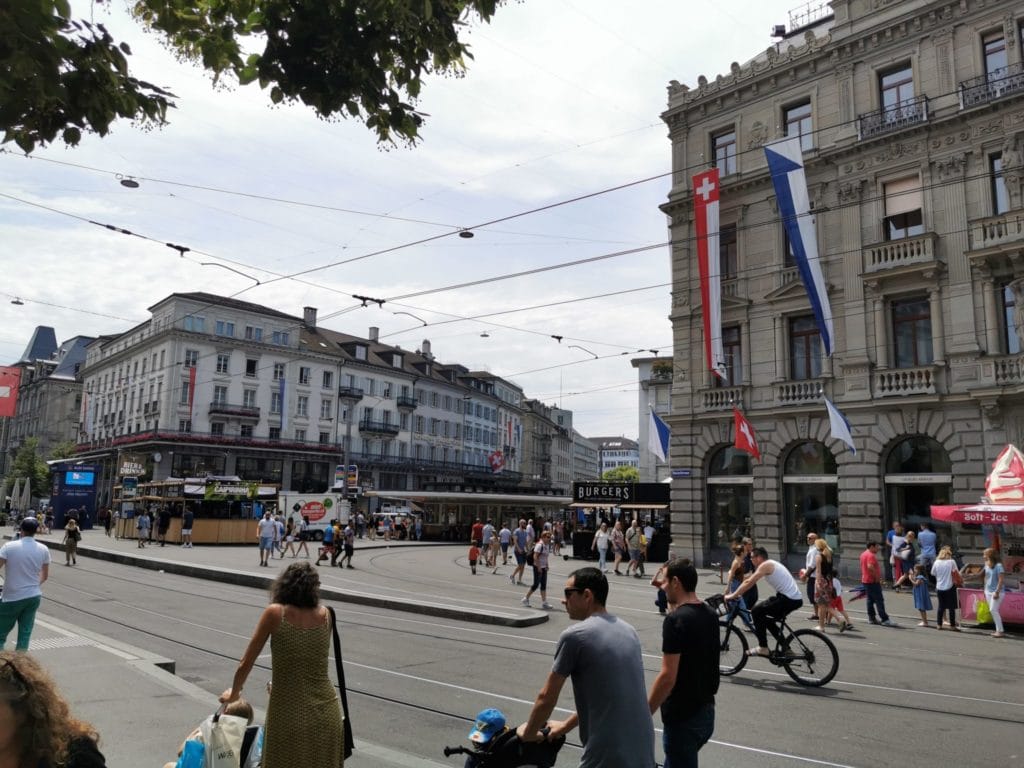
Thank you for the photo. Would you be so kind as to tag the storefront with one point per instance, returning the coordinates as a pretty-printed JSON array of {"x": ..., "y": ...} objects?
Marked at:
[{"x": 596, "y": 502}]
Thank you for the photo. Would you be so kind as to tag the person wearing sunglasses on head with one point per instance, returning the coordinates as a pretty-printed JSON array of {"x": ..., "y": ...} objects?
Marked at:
[
  {"x": 36, "y": 725},
  {"x": 28, "y": 566}
]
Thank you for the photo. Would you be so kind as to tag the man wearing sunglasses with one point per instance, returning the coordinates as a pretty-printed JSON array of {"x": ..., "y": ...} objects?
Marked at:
[
  {"x": 602, "y": 655},
  {"x": 28, "y": 566}
]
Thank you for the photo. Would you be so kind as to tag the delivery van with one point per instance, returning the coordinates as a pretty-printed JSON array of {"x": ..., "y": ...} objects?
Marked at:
[{"x": 318, "y": 508}]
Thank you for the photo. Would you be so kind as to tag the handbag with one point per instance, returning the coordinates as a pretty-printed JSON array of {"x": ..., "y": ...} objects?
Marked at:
[
  {"x": 340, "y": 669},
  {"x": 958, "y": 580},
  {"x": 223, "y": 736},
  {"x": 982, "y": 612}
]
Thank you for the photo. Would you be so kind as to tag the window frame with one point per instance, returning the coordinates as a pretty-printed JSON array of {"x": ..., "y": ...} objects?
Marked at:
[
  {"x": 810, "y": 339},
  {"x": 724, "y": 150},
  {"x": 728, "y": 251},
  {"x": 914, "y": 322},
  {"x": 790, "y": 119}
]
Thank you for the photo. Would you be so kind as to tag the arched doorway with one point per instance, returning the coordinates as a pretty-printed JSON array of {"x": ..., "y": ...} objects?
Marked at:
[
  {"x": 918, "y": 473},
  {"x": 810, "y": 497},
  {"x": 730, "y": 484}
]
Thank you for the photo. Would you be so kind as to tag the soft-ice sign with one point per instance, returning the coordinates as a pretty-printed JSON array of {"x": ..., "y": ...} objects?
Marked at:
[
  {"x": 314, "y": 510},
  {"x": 1005, "y": 484}
]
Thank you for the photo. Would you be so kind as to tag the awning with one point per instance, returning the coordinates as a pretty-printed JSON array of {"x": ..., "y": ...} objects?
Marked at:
[
  {"x": 980, "y": 514},
  {"x": 452, "y": 497},
  {"x": 582, "y": 505}
]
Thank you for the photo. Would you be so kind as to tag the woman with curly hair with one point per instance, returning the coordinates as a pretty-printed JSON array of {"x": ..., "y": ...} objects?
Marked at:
[
  {"x": 303, "y": 726},
  {"x": 36, "y": 726}
]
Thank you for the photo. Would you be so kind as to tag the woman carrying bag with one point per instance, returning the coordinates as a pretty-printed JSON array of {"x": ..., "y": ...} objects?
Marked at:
[{"x": 304, "y": 725}]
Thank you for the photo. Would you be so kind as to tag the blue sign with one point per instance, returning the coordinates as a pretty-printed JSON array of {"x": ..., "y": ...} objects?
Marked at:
[{"x": 682, "y": 473}]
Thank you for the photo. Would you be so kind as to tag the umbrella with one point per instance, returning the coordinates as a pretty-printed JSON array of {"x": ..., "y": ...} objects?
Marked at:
[
  {"x": 26, "y": 496},
  {"x": 980, "y": 514},
  {"x": 16, "y": 493}
]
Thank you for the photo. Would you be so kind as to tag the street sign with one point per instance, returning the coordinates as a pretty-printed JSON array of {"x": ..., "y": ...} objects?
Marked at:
[{"x": 682, "y": 473}]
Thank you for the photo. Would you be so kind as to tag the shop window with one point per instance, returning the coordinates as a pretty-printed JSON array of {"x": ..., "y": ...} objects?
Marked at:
[
  {"x": 729, "y": 492},
  {"x": 810, "y": 496}
]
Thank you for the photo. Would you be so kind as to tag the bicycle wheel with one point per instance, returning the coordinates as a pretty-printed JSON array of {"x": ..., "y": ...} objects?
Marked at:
[
  {"x": 733, "y": 652},
  {"x": 811, "y": 658}
]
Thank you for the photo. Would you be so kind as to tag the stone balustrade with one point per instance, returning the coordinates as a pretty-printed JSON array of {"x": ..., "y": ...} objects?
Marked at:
[
  {"x": 905, "y": 381},
  {"x": 898, "y": 253},
  {"x": 799, "y": 392},
  {"x": 997, "y": 230},
  {"x": 721, "y": 398}
]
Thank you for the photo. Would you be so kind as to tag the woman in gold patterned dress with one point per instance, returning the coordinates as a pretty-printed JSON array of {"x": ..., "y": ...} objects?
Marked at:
[{"x": 303, "y": 728}]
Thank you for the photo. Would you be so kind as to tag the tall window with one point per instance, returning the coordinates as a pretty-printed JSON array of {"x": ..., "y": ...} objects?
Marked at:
[
  {"x": 804, "y": 349},
  {"x": 191, "y": 358},
  {"x": 185, "y": 425},
  {"x": 328, "y": 380},
  {"x": 733, "y": 356},
  {"x": 302, "y": 406},
  {"x": 896, "y": 87},
  {"x": 1010, "y": 338},
  {"x": 723, "y": 146},
  {"x": 245, "y": 430},
  {"x": 194, "y": 323},
  {"x": 912, "y": 332},
  {"x": 278, "y": 371},
  {"x": 225, "y": 328},
  {"x": 251, "y": 367},
  {"x": 223, "y": 363},
  {"x": 249, "y": 398},
  {"x": 280, "y": 337},
  {"x": 303, "y": 375},
  {"x": 275, "y": 402},
  {"x": 274, "y": 433},
  {"x": 810, "y": 496},
  {"x": 903, "y": 214},
  {"x": 798, "y": 123},
  {"x": 220, "y": 395},
  {"x": 216, "y": 427},
  {"x": 994, "y": 47},
  {"x": 252, "y": 333},
  {"x": 727, "y": 251},
  {"x": 1000, "y": 199},
  {"x": 300, "y": 435}
]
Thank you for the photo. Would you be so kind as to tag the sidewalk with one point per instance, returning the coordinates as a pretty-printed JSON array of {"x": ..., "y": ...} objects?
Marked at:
[{"x": 397, "y": 590}]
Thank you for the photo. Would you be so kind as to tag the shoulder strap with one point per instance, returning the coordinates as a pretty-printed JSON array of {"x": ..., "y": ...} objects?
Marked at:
[{"x": 342, "y": 690}]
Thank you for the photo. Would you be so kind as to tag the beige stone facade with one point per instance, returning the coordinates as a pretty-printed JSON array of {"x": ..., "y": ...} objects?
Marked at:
[{"x": 911, "y": 116}]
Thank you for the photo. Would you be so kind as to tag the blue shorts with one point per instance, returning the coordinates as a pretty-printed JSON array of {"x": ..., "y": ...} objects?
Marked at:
[
  {"x": 520, "y": 558},
  {"x": 267, "y": 543}
]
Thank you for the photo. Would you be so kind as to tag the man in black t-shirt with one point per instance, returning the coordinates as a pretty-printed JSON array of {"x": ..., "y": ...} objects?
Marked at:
[{"x": 685, "y": 687}]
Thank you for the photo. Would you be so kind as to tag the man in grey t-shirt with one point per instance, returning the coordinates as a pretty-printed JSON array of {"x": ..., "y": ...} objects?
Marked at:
[{"x": 602, "y": 655}]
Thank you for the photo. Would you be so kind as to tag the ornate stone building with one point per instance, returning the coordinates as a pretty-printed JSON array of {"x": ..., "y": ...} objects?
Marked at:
[{"x": 911, "y": 118}]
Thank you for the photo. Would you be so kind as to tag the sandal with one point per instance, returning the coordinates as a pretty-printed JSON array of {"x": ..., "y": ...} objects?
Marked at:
[
  {"x": 758, "y": 652},
  {"x": 998, "y": 634}
]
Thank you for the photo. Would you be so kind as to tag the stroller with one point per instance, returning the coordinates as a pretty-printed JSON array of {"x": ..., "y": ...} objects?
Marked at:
[{"x": 495, "y": 746}]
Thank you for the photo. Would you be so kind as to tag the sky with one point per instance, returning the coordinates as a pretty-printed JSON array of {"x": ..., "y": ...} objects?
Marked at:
[{"x": 538, "y": 149}]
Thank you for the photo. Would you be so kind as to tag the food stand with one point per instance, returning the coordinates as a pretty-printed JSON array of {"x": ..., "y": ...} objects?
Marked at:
[{"x": 1001, "y": 517}]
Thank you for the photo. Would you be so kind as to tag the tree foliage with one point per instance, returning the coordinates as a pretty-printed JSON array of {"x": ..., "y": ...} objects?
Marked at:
[
  {"x": 364, "y": 59},
  {"x": 28, "y": 463},
  {"x": 622, "y": 475}
]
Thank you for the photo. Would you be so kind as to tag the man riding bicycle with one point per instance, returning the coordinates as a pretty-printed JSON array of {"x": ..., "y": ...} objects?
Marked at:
[{"x": 766, "y": 613}]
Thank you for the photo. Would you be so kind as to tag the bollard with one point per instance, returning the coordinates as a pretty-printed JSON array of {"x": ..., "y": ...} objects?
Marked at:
[{"x": 721, "y": 571}]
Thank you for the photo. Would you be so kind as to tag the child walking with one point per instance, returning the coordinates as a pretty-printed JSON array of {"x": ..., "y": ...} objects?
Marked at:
[
  {"x": 474, "y": 555},
  {"x": 922, "y": 600}
]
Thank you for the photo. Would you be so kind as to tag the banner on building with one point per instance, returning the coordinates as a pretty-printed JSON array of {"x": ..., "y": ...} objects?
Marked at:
[
  {"x": 705, "y": 206},
  {"x": 10, "y": 378}
]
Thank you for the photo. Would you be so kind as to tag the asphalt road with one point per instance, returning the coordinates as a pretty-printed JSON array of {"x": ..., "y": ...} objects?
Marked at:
[{"x": 902, "y": 697}]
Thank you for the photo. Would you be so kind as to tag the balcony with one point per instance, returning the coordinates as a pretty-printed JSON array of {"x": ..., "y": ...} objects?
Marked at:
[
  {"x": 721, "y": 398},
  {"x": 350, "y": 393},
  {"x": 405, "y": 401},
  {"x": 248, "y": 412},
  {"x": 901, "y": 253},
  {"x": 991, "y": 86},
  {"x": 367, "y": 426},
  {"x": 905, "y": 114},
  {"x": 996, "y": 231},
  {"x": 1009, "y": 370},
  {"x": 799, "y": 392},
  {"x": 900, "y": 382}
]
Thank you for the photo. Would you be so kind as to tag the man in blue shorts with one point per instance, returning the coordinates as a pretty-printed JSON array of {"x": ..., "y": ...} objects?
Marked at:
[
  {"x": 266, "y": 530},
  {"x": 522, "y": 541}
]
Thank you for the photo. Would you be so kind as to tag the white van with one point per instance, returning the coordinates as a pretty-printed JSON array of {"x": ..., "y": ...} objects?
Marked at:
[{"x": 319, "y": 508}]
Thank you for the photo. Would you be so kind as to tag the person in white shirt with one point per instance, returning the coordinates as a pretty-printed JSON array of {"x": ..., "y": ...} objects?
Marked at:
[
  {"x": 28, "y": 566},
  {"x": 785, "y": 600}
]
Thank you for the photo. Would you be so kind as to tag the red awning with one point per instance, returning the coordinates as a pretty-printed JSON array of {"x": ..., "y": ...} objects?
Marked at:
[{"x": 980, "y": 514}]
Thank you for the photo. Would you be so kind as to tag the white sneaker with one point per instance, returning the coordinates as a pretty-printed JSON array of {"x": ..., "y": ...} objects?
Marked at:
[
  {"x": 546, "y": 606},
  {"x": 525, "y": 601},
  {"x": 510, "y": 579}
]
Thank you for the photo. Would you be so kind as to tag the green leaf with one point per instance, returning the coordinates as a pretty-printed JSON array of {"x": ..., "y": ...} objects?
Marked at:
[
  {"x": 276, "y": 95},
  {"x": 72, "y": 136}
]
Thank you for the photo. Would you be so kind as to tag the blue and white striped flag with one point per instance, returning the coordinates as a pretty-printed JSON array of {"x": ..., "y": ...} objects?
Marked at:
[
  {"x": 786, "y": 164},
  {"x": 658, "y": 436},
  {"x": 839, "y": 426}
]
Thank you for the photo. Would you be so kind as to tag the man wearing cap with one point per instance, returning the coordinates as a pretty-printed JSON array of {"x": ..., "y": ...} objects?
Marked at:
[
  {"x": 489, "y": 724},
  {"x": 603, "y": 657},
  {"x": 28, "y": 566}
]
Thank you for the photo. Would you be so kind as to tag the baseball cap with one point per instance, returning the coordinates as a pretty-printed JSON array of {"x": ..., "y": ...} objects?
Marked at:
[
  {"x": 29, "y": 525},
  {"x": 489, "y": 723}
]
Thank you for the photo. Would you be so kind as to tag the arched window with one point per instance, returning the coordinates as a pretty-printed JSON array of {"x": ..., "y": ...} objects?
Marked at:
[
  {"x": 918, "y": 473},
  {"x": 729, "y": 485},
  {"x": 810, "y": 496}
]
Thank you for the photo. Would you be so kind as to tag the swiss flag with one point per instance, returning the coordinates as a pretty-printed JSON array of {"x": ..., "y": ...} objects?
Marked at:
[
  {"x": 746, "y": 440},
  {"x": 496, "y": 460}
]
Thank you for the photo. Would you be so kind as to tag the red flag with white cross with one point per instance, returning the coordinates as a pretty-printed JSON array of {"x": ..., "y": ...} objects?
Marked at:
[{"x": 746, "y": 440}]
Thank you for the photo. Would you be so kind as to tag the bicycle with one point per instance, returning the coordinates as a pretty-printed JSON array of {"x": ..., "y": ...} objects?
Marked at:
[{"x": 807, "y": 655}]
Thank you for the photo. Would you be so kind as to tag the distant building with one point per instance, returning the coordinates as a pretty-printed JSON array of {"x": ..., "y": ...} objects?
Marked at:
[
  {"x": 655, "y": 375},
  {"x": 617, "y": 452}
]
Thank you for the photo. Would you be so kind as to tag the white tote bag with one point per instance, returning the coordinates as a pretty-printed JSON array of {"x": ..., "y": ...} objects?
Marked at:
[{"x": 223, "y": 735}]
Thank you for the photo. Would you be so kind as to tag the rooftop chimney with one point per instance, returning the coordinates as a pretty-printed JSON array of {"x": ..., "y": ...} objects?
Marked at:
[
  {"x": 309, "y": 317},
  {"x": 374, "y": 333},
  {"x": 425, "y": 349}
]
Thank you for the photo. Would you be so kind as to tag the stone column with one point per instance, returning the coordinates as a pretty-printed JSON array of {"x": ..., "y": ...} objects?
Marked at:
[
  {"x": 780, "y": 348},
  {"x": 881, "y": 336},
  {"x": 938, "y": 336},
  {"x": 988, "y": 296}
]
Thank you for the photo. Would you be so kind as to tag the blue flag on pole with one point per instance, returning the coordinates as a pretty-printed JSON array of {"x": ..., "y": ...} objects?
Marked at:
[
  {"x": 657, "y": 437},
  {"x": 786, "y": 165}
]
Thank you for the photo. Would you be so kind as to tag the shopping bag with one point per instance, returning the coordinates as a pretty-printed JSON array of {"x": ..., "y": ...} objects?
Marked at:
[
  {"x": 223, "y": 736},
  {"x": 192, "y": 755},
  {"x": 982, "y": 612}
]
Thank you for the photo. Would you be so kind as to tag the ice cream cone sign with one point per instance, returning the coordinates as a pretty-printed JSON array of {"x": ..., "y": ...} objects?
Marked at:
[{"x": 1005, "y": 484}]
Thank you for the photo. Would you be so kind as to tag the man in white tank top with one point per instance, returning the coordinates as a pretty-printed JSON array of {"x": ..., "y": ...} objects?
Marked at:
[{"x": 785, "y": 600}]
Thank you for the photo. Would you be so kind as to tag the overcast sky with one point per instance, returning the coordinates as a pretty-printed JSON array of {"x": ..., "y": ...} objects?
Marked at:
[{"x": 562, "y": 100}]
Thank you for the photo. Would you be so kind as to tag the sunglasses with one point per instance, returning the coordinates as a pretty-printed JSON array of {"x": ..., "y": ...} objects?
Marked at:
[
  {"x": 19, "y": 679},
  {"x": 570, "y": 590}
]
